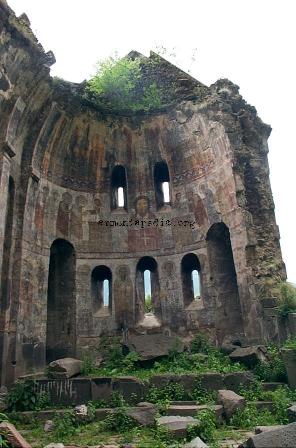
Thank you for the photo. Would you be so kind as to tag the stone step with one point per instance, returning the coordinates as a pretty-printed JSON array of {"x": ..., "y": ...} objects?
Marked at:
[
  {"x": 191, "y": 409},
  {"x": 272, "y": 386},
  {"x": 184, "y": 403},
  {"x": 176, "y": 424},
  {"x": 263, "y": 405}
]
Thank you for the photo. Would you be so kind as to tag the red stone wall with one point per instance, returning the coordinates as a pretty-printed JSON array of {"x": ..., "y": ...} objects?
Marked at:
[{"x": 61, "y": 154}]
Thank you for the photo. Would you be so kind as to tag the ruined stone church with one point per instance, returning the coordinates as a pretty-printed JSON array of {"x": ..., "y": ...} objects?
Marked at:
[{"x": 91, "y": 200}]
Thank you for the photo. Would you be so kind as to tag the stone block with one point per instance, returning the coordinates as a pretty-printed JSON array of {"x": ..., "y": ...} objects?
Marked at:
[
  {"x": 211, "y": 381},
  {"x": 188, "y": 382},
  {"x": 292, "y": 324},
  {"x": 272, "y": 386},
  {"x": 66, "y": 392},
  {"x": 176, "y": 424},
  {"x": 64, "y": 368},
  {"x": 235, "y": 380},
  {"x": 48, "y": 426},
  {"x": 153, "y": 346},
  {"x": 263, "y": 405},
  {"x": 130, "y": 388},
  {"x": 101, "y": 413},
  {"x": 292, "y": 413},
  {"x": 143, "y": 415},
  {"x": 101, "y": 388},
  {"x": 160, "y": 381},
  {"x": 279, "y": 437},
  {"x": 231, "y": 402},
  {"x": 196, "y": 443},
  {"x": 260, "y": 429},
  {"x": 249, "y": 356},
  {"x": 269, "y": 302},
  {"x": 13, "y": 437},
  {"x": 289, "y": 358},
  {"x": 192, "y": 409}
]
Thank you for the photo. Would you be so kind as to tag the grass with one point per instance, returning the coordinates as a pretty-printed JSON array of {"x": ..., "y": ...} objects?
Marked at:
[{"x": 93, "y": 434}]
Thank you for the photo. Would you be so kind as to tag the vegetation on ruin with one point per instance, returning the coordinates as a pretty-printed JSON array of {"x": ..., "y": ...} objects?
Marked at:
[
  {"x": 118, "y": 84},
  {"x": 3, "y": 441},
  {"x": 202, "y": 356},
  {"x": 119, "y": 428},
  {"x": 162, "y": 397},
  {"x": 273, "y": 369},
  {"x": 290, "y": 344},
  {"x": 23, "y": 396},
  {"x": 285, "y": 293}
]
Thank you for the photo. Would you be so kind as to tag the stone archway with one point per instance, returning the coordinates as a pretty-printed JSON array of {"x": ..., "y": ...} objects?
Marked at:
[
  {"x": 228, "y": 316},
  {"x": 61, "y": 306}
]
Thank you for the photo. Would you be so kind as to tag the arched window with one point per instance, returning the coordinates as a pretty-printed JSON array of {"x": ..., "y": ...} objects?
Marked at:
[
  {"x": 147, "y": 287},
  {"x": 101, "y": 288},
  {"x": 191, "y": 279},
  {"x": 162, "y": 184},
  {"x": 118, "y": 188},
  {"x": 61, "y": 309}
]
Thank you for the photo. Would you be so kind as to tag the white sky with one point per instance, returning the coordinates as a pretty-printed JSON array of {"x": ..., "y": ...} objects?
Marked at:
[{"x": 252, "y": 43}]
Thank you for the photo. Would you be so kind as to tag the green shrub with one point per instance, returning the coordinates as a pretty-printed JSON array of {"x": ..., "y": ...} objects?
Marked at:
[
  {"x": 65, "y": 425},
  {"x": 201, "y": 344},
  {"x": 88, "y": 365},
  {"x": 163, "y": 438},
  {"x": 203, "y": 396},
  {"x": 118, "y": 421},
  {"x": 117, "y": 400},
  {"x": 111, "y": 351},
  {"x": 118, "y": 83},
  {"x": 286, "y": 296},
  {"x": 291, "y": 344},
  {"x": 23, "y": 396},
  {"x": 273, "y": 369},
  {"x": 249, "y": 417},
  {"x": 3, "y": 442},
  {"x": 176, "y": 349},
  {"x": 130, "y": 360},
  {"x": 163, "y": 396},
  {"x": 206, "y": 427},
  {"x": 282, "y": 397}
]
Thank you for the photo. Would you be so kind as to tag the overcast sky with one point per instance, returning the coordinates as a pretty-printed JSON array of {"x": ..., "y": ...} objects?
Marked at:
[{"x": 250, "y": 42}]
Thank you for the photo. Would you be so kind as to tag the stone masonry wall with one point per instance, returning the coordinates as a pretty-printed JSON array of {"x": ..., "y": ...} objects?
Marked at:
[{"x": 59, "y": 154}]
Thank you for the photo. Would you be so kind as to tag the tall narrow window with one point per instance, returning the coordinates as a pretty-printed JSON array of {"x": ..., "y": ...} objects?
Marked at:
[
  {"x": 118, "y": 188},
  {"x": 162, "y": 184},
  {"x": 195, "y": 284},
  {"x": 101, "y": 278},
  {"x": 147, "y": 288},
  {"x": 166, "y": 192},
  {"x": 190, "y": 270},
  {"x": 147, "y": 291},
  {"x": 120, "y": 194},
  {"x": 106, "y": 292}
]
